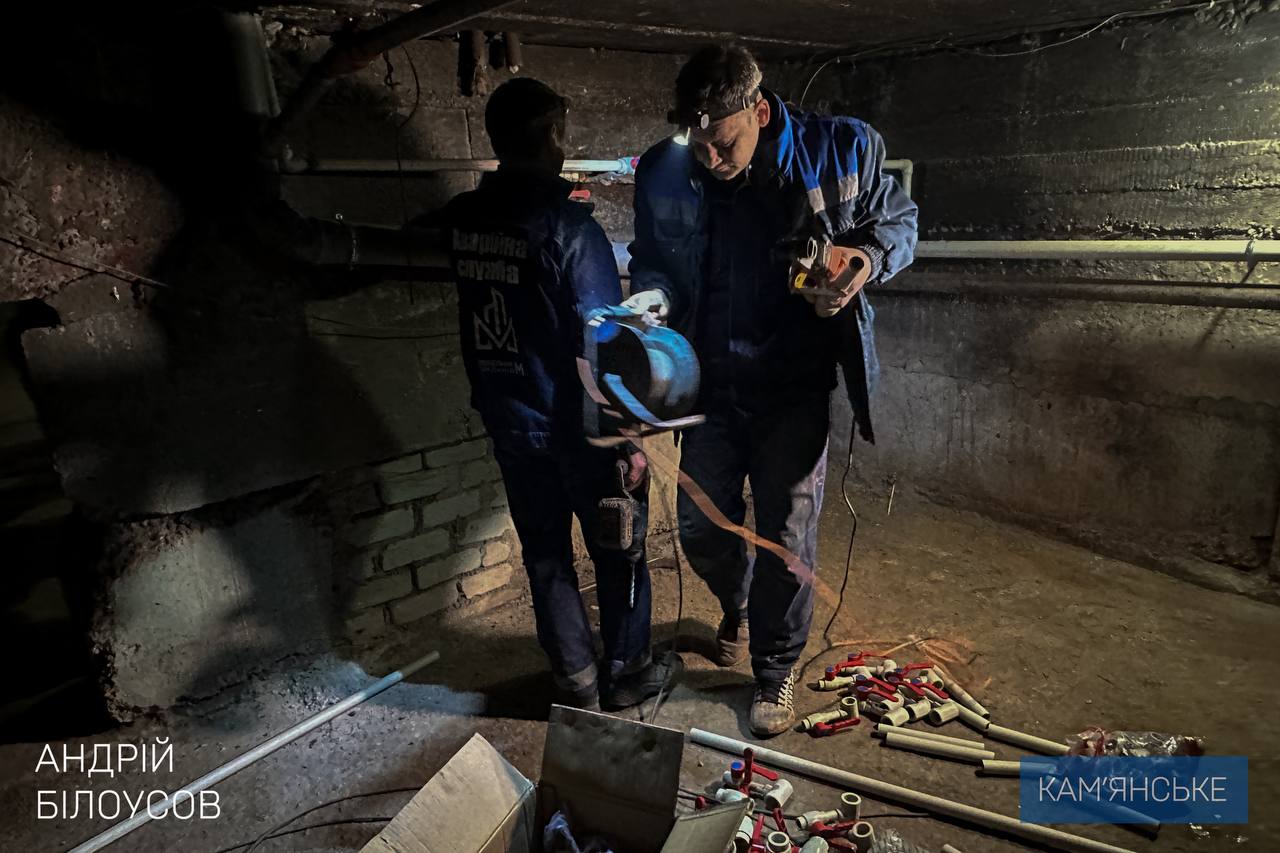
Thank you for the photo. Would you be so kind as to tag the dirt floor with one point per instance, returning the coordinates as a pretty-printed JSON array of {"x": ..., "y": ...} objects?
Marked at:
[{"x": 1051, "y": 637}]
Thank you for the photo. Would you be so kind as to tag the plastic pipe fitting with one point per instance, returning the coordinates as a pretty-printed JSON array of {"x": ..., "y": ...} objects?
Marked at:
[
  {"x": 862, "y": 835},
  {"x": 742, "y": 838},
  {"x": 944, "y": 713},
  {"x": 851, "y": 806},
  {"x": 778, "y": 842},
  {"x": 730, "y": 795},
  {"x": 828, "y": 716},
  {"x": 828, "y": 684},
  {"x": 896, "y": 717},
  {"x": 808, "y": 819},
  {"x": 849, "y": 705},
  {"x": 779, "y": 794},
  {"x": 816, "y": 844},
  {"x": 919, "y": 709}
]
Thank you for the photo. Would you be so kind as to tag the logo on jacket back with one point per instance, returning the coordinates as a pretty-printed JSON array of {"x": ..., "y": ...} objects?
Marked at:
[
  {"x": 497, "y": 266},
  {"x": 494, "y": 329}
]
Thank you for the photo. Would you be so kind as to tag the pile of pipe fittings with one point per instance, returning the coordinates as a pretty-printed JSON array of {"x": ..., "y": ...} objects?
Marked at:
[
  {"x": 896, "y": 695},
  {"x": 764, "y": 829},
  {"x": 893, "y": 694}
]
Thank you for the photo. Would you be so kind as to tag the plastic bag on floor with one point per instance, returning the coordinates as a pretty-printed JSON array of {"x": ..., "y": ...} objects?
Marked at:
[
  {"x": 1098, "y": 741},
  {"x": 558, "y": 838},
  {"x": 889, "y": 841}
]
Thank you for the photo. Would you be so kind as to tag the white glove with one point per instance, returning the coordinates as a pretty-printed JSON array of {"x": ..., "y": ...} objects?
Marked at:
[{"x": 651, "y": 302}]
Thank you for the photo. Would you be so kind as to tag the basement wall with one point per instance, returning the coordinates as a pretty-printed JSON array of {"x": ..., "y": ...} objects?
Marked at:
[
  {"x": 1149, "y": 431},
  {"x": 280, "y": 459}
]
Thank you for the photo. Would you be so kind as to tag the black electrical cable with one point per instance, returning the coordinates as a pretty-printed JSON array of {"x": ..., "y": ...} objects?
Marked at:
[
  {"x": 853, "y": 514},
  {"x": 257, "y": 842},
  {"x": 307, "y": 827},
  {"x": 668, "y": 685}
]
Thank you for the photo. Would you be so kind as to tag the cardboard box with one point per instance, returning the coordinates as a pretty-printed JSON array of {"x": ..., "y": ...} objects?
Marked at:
[{"x": 615, "y": 778}]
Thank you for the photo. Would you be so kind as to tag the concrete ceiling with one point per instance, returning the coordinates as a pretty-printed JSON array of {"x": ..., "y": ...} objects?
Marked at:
[{"x": 779, "y": 28}]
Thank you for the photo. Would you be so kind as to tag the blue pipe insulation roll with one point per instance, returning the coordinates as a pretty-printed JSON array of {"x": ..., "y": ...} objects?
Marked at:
[{"x": 648, "y": 371}]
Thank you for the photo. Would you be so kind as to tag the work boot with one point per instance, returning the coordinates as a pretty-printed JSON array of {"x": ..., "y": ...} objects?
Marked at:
[
  {"x": 630, "y": 689},
  {"x": 731, "y": 641},
  {"x": 773, "y": 708},
  {"x": 580, "y": 690}
]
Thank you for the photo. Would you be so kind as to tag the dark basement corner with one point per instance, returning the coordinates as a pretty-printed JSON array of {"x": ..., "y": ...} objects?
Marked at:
[{"x": 242, "y": 478}]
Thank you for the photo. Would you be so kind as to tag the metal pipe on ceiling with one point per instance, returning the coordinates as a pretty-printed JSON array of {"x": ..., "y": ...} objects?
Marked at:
[
  {"x": 620, "y": 167},
  {"x": 366, "y": 167},
  {"x": 353, "y": 51},
  {"x": 1248, "y": 251},
  {"x": 1129, "y": 292}
]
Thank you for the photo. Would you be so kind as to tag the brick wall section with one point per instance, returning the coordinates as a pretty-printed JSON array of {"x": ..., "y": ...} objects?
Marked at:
[{"x": 425, "y": 533}]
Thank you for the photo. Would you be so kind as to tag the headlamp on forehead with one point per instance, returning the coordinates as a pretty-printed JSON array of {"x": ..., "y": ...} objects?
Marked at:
[{"x": 702, "y": 117}]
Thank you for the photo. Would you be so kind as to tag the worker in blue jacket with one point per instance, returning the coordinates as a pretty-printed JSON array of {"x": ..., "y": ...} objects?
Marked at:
[
  {"x": 721, "y": 211},
  {"x": 532, "y": 266}
]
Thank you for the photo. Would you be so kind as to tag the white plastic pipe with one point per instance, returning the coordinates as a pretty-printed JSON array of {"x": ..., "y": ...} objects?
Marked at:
[
  {"x": 881, "y": 729},
  {"x": 262, "y": 750},
  {"x": 904, "y": 740},
  {"x": 1026, "y": 741},
  {"x": 1003, "y": 768},
  {"x": 1134, "y": 250},
  {"x": 334, "y": 166},
  {"x": 947, "y": 848},
  {"x": 973, "y": 720},
  {"x": 845, "y": 780},
  {"x": 957, "y": 692}
]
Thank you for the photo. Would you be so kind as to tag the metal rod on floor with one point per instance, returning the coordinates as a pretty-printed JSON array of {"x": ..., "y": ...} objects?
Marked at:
[
  {"x": 846, "y": 781},
  {"x": 262, "y": 750}
]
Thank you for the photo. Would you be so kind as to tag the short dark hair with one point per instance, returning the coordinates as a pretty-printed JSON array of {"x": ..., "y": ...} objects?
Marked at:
[
  {"x": 518, "y": 113},
  {"x": 717, "y": 81}
]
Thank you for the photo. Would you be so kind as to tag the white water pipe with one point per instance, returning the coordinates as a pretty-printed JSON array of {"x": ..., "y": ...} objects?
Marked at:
[
  {"x": 340, "y": 166},
  {"x": 1132, "y": 250},
  {"x": 619, "y": 167},
  {"x": 973, "y": 720},
  {"x": 904, "y": 740},
  {"x": 1026, "y": 741},
  {"x": 881, "y": 729},
  {"x": 947, "y": 848},
  {"x": 957, "y": 692},
  {"x": 262, "y": 750},
  {"x": 846, "y": 780}
]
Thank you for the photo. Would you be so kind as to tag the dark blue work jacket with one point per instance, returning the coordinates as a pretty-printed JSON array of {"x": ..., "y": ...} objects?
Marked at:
[
  {"x": 531, "y": 266},
  {"x": 811, "y": 175}
]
